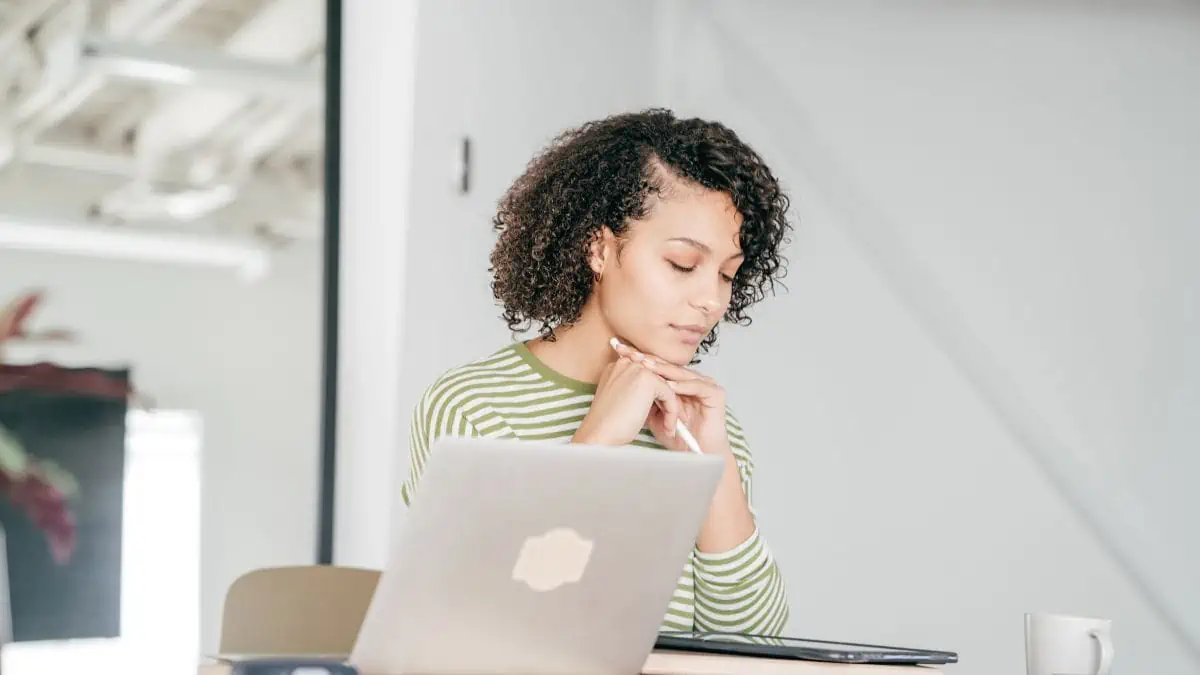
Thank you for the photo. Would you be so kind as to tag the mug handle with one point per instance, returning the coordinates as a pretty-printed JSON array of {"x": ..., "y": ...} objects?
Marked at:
[{"x": 1106, "y": 650}]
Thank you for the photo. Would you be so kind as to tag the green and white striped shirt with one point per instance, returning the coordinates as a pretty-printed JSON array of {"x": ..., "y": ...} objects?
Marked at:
[{"x": 512, "y": 394}]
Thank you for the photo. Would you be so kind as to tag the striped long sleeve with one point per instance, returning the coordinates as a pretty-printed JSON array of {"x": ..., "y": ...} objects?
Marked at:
[
  {"x": 436, "y": 414},
  {"x": 511, "y": 394},
  {"x": 741, "y": 590}
]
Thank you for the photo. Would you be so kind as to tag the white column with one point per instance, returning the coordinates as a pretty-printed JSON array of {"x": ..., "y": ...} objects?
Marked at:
[{"x": 378, "y": 66}]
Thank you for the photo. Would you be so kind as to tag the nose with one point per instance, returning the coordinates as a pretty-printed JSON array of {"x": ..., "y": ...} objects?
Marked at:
[{"x": 708, "y": 299}]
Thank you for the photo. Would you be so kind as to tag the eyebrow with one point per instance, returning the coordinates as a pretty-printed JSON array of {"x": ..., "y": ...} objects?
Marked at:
[{"x": 702, "y": 246}]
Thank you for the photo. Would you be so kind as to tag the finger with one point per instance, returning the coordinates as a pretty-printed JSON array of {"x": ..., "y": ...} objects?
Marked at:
[
  {"x": 628, "y": 352},
  {"x": 635, "y": 355},
  {"x": 613, "y": 370},
  {"x": 671, "y": 371},
  {"x": 630, "y": 368},
  {"x": 706, "y": 391},
  {"x": 620, "y": 365},
  {"x": 668, "y": 401}
]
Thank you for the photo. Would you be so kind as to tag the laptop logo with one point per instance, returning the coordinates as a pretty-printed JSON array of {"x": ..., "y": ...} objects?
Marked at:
[{"x": 553, "y": 559}]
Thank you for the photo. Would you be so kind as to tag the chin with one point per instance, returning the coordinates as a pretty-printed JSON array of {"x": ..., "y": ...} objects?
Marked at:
[
  {"x": 674, "y": 351},
  {"x": 679, "y": 354}
]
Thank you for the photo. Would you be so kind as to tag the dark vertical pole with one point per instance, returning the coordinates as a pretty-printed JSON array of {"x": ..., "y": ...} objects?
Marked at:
[{"x": 333, "y": 145}]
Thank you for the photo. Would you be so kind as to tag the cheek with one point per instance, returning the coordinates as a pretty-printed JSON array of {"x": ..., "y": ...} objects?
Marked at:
[
  {"x": 656, "y": 282},
  {"x": 643, "y": 292}
]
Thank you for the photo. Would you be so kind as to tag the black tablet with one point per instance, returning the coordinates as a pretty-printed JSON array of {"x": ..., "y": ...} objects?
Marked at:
[{"x": 799, "y": 648}]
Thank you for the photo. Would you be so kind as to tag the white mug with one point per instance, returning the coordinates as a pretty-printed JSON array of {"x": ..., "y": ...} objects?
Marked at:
[{"x": 1067, "y": 645}]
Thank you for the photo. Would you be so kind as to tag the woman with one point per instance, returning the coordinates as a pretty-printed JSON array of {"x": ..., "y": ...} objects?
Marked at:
[{"x": 650, "y": 229}]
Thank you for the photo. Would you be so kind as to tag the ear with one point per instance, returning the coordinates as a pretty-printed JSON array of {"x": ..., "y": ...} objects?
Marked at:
[{"x": 601, "y": 251}]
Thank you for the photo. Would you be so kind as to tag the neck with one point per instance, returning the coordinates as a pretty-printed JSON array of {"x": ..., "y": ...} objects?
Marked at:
[{"x": 580, "y": 351}]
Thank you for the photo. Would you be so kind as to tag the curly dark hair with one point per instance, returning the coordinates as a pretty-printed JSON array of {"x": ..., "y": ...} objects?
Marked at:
[{"x": 604, "y": 173}]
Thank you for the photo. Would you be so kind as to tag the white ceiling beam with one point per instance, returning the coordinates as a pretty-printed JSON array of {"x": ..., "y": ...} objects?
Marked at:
[
  {"x": 231, "y": 76},
  {"x": 164, "y": 16},
  {"x": 85, "y": 179},
  {"x": 128, "y": 17},
  {"x": 152, "y": 27},
  {"x": 113, "y": 129},
  {"x": 274, "y": 130},
  {"x": 284, "y": 32},
  {"x": 263, "y": 187},
  {"x": 57, "y": 45},
  {"x": 18, "y": 24},
  {"x": 257, "y": 132},
  {"x": 47, "y": 234},
  {"x": 188, "y": 127},
  {"x": 79, "y": 159},
  {"x": 308, "y": 140}
]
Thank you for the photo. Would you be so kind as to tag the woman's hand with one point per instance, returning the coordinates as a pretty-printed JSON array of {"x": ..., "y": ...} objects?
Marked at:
[
  {"x": 628, "y": 395},
  {"x": 701, "y": 401}
]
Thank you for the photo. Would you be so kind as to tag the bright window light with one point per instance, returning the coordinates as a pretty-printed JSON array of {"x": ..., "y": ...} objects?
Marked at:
[{"x": 160, "y": 568}]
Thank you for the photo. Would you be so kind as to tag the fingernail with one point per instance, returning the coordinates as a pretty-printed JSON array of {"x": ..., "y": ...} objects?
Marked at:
[
  {"x": 650, "y": 363},
  {"x": 670, "y": 384}
]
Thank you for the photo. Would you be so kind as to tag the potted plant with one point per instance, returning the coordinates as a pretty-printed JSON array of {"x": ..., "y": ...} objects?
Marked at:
[
  {"x": 40, "y": 488},
  {"x": 43, "y": 491}
]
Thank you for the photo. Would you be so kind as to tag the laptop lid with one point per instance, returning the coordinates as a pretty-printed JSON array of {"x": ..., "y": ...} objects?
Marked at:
[
  {"x": 536, "y": 557},
  {"x": 802, "y": 649}
]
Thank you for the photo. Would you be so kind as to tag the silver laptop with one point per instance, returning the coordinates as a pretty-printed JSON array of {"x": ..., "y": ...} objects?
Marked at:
[{"x": 531, "y": 557}]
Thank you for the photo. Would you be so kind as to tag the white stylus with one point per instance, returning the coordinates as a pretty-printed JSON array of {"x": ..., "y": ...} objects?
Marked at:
[{"x": 688, "y": 439}]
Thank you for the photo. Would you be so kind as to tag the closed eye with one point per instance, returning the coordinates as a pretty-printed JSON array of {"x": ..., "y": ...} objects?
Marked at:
[{"x": 684, "y": 270}]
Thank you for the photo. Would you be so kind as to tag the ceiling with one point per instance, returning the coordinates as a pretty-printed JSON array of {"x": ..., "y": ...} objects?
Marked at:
[{"x": 162, "y": 118}]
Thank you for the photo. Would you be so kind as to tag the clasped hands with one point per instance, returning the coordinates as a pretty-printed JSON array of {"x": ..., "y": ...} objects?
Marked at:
[{"x": 642, "y": 391}]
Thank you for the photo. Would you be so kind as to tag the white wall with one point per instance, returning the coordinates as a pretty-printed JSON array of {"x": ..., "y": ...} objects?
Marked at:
[
  {"x": 510, "y": 76},
  {"x": 1023, "y": 174},
  {"x": 378, "y": 69},
  {"x": 978, "y": 143},
  {"x": 246, "y": 357}
]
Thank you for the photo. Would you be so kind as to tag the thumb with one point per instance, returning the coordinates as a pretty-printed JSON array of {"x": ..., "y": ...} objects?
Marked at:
[{"x": 668, "y": 402}]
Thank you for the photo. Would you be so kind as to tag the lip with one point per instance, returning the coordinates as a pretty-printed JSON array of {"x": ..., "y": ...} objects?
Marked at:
[{"x": 693, "y": 334}]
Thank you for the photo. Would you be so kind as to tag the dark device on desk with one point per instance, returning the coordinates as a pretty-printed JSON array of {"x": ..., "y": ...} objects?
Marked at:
[
  {"x": 733, "y": 644},
  {"x": 291, "y": 666}
]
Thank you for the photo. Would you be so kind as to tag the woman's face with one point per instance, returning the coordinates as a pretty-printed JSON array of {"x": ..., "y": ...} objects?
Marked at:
[{"x": 667, "y": 284}]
